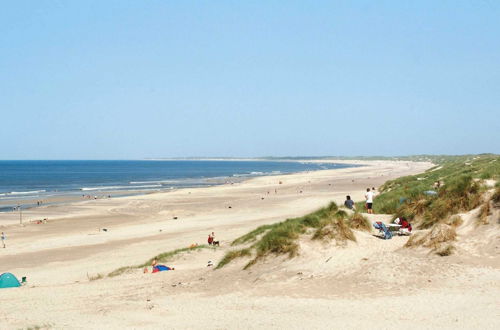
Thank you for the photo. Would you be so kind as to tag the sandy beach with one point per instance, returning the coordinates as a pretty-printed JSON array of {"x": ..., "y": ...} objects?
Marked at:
[{"x": 368, "y": 284}]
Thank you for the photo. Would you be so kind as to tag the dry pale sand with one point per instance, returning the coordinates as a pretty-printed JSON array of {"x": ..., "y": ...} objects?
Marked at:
[{"x": 368, "y": 284}]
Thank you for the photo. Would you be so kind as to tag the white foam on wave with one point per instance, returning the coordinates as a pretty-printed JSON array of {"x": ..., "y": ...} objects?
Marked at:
[
  {"x": 153, "y": 182},
  {"x": 146, "y": 186},
  {"x": 25, "y": 192},
  {"x": 256, "y": 174},
  {"x": 100, "y": 188},
  {"x": 120, "y": 187}
]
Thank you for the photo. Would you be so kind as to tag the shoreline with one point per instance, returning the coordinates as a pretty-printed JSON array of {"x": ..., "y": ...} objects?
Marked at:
[
  {"x": 164, "y": 206},
  {"x": 61, "y": 198}
]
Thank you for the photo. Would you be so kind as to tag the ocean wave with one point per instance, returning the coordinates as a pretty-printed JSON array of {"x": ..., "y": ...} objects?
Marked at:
[
  {"x": 24, "y": 192},
  {"x": 120, "y": 187},
  {"x": 146, "y": 186},
  {"x": 159, "y": 182},
  {"x": 238, "y": 175}
]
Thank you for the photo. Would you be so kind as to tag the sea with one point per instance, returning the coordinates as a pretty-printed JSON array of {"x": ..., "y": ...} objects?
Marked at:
[{"x": 37, "y": 179}]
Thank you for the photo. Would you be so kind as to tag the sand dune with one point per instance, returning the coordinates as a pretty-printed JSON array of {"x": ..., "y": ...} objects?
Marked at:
[{"x": 368, "y": 284}]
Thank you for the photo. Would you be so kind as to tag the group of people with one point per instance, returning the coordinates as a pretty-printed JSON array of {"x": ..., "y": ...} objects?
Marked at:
[
  {"x": 369, "y": 195},
  {"x": 401, "y": 224}
]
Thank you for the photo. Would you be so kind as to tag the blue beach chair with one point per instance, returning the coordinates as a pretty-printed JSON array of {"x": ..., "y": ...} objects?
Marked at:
[{"x": 383, "y": 229}]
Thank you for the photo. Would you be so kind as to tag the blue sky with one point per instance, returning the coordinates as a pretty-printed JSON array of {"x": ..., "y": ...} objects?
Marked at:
[{"x": 135, "y": 79}]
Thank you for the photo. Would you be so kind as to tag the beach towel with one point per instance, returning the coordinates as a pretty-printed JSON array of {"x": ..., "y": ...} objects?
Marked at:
[{"x": 160, "y": 268}]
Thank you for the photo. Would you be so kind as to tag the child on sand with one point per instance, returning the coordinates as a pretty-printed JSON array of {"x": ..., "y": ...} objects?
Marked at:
[{"x": 3, "y": 239}]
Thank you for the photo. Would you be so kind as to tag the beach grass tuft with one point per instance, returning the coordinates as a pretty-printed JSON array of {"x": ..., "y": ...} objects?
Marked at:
[
  {"x": 95, "y": 277},
  {"x": 359, "y": 222},
  {"x": 455, "y": 221},
  {"x": 495, "y": 198},
  {"x": 484, "y": 212},
  {"x": 252, "y": 236},
  {"x": 334, "y": 228},
  {"x": 230, "y": 256},
  {"x": 438, "y": 239},
  {"x": 162, "y": 257},
  {"x": 329, "y": 223}
]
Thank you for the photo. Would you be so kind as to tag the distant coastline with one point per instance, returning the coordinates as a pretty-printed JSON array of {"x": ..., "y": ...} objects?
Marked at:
[{"x": 58, "y": 182}]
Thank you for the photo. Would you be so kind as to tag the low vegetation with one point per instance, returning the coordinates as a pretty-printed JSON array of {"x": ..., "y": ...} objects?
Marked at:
[
  {"x": 97, "y": 276},
  {"x": 429, "y": 198},
  {"x": 40, "y": 327},
  {"x": 455, "y": 221},
  {"x": 439, "y": 239},
  {"x": 328, "y": 223},
  {"x": 230, "y": 256},
  {"x": 252, "y": 236},
  {"x": 335, "y": 229},
  {"x": 162, "y": 257},
  {"x": 359, "y": 222},
  {"x": 495, "y": 199},
  {"x": 484, "y": 212}
]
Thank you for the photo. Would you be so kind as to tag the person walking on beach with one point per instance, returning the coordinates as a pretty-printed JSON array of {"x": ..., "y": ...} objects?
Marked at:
[
  {"x": 3, "y": 239},
  {"x": 369, "y": 200}
]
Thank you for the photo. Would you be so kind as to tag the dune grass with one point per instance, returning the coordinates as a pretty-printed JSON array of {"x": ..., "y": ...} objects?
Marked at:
[
  {"x": 328, "y": 223},
  {"x": 252, "y": 236},
  {"x": 455, "y": 221},
  {"x": 334, "y": 228},
  {"x": 484, "y": 212},
  {"x": 95, "y": 277},
  {"x": 230, "y": 256},
  {"x": 162, "y": 257},
  {"x": 439, "y": 239},
  {"x": 39, "y": 327},
  {"x": 359, "y": 222},
  {"x": 459, "y": 189},
  {"x": 495, "y": 198}
]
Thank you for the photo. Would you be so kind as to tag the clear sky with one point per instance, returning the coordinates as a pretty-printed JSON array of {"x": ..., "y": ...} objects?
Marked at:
[{"x": 134, "y": 79}]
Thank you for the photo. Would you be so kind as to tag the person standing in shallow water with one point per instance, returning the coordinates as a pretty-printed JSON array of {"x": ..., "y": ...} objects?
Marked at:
[{"x": 369, "y": 200}]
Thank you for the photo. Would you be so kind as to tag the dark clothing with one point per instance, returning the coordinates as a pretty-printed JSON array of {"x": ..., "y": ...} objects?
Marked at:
[{"x": 349, "y": 203}]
